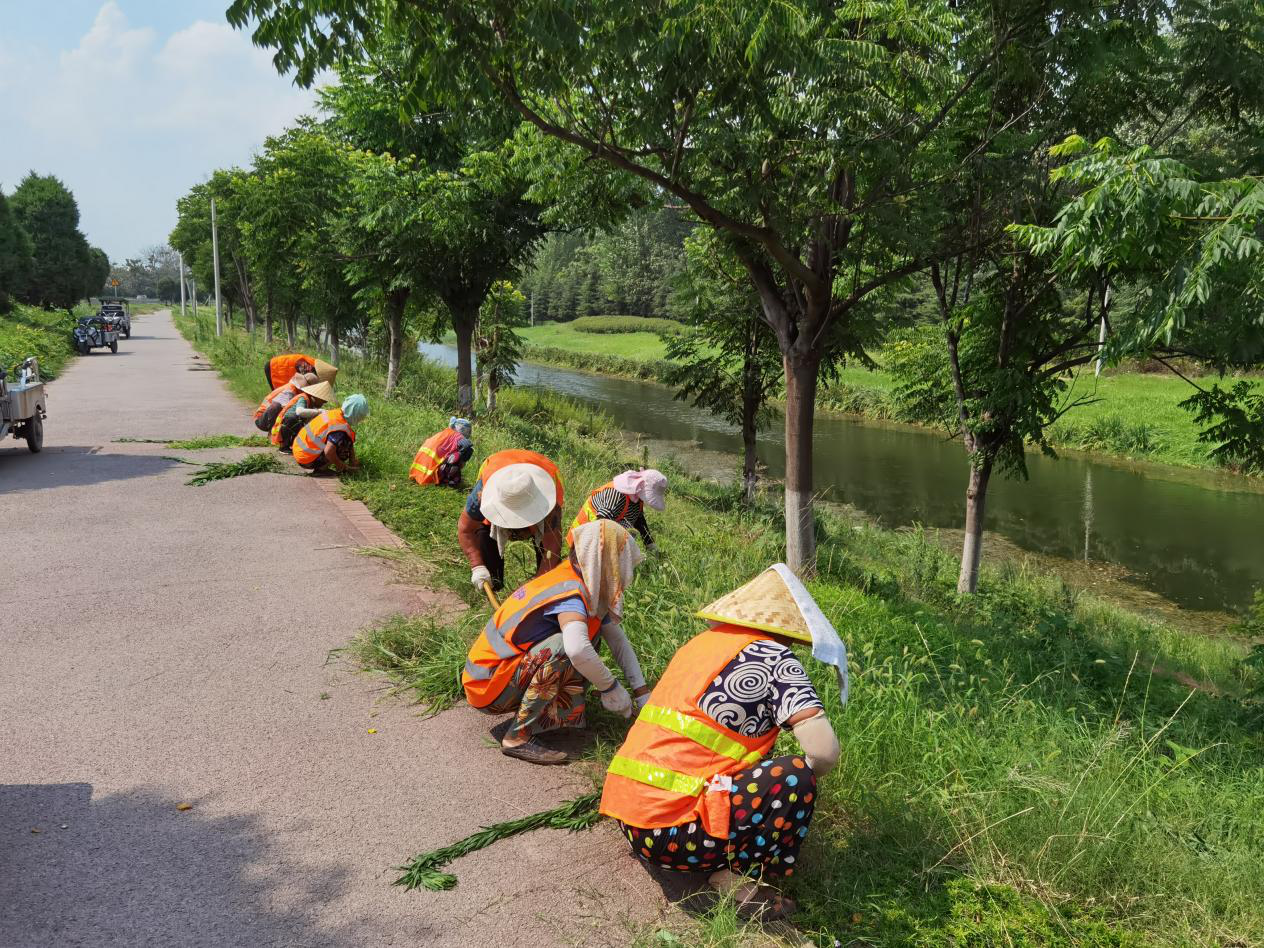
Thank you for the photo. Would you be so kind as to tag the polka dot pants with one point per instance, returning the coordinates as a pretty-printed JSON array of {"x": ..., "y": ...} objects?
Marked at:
[{"x": 769, "y": 813}]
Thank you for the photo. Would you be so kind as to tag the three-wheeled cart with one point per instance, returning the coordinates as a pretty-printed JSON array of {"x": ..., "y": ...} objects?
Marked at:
[{"x": 23, "y": 405}]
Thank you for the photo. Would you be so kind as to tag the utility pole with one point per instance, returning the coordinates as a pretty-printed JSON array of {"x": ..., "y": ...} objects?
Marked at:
[
  {"x": 193, "y": 292},
  {"x": 533, "y": 307},
  {"x": 219, "y": 311},
  {"x": 181, "y": 256}
]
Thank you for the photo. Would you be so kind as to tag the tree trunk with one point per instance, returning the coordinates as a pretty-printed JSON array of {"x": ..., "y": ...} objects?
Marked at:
[
  {"x": 307, "y": 325},
  {"x": 267, "y": 316},
  {"x": 801, "y": 374},
  {"x": 749, "y": 473},
  {"x": 291, "y": 329},
  {"x": 491, "y": 396},
  {"x": 396, "y": 300},
  {"x": 976, "y": 505},
  {"x": 464, "y": 326},
  {"x": 334, "y": 347},
  {"x": 247, "y": 293}
]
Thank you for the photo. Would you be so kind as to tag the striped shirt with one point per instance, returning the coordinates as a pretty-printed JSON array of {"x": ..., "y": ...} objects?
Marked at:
[{"x": 609, "y": 503}]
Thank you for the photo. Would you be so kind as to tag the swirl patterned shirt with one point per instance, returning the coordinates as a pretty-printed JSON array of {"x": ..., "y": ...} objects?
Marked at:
[{"x": 761, "y": 688}]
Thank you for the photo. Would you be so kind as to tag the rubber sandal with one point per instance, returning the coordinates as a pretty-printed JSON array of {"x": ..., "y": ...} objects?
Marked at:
[{"x": 533, "y": 752}]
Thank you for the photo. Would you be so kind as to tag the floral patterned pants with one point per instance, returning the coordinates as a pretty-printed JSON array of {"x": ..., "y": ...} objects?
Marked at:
[
  {"x": 546, "y": 691},
  {"x": 770, "y": 810}
]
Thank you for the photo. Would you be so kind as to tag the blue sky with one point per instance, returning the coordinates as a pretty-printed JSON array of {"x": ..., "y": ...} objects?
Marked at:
[{"x": 130, "y": 102}]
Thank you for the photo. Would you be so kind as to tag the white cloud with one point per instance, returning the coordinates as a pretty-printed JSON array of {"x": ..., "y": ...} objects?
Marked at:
[{"x": 130, "y": 119}]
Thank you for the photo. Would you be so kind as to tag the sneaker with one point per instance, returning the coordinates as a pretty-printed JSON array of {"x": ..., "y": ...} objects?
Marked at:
[{"x": 533, "y": 752}]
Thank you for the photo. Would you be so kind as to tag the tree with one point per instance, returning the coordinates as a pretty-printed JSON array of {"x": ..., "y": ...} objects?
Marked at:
[
  {"x": 497, "y": 346},
  {"x": 810, "y": 136},
  {"x": 47, "y": 212},
  {"x": 15, "y": 256},
  {"x": 96, "y": 271},
  {"x": 730, "y": 365}
]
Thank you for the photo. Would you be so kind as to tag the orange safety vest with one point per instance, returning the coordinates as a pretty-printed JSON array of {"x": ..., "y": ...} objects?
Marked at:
[
  {"x": 425, "y": 469},
  {"x": 588, "y": 512},
  {"x": 673, "y": 764},
  {"x": 289, "y": 389},
  {"x": 495, "y": 655},
  {"x": 502, "y": 459},
  {"x": 310, "y": 442},
  {"x": 275, "y": 435},
  {"x": 281, "y": 368}
]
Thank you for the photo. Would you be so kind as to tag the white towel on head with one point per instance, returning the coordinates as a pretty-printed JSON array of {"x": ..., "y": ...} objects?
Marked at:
[{"x": 607, "y": 556}]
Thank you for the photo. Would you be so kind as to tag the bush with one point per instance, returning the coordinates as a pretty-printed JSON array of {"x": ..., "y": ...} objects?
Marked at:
[
  {"x": 1107, "y": 433},
  {"x": 604, "y": 324},
  {"x": 31, "y": 331}
]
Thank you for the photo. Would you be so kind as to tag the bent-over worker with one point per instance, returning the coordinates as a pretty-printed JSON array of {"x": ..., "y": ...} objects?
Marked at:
[
  {"x": 623, "y": 500},
  {"x": 536, "y": 656},
  {"x": 279, "y": 369},
  {"x": 696, "y": 787},
  {"x": 440, "y": 459},
  {"x": 518, "y": 496},
  {"x": 275, "y": 401},
  {"x": 298, "y": 411},
  {"x": 328, "y": 440}
]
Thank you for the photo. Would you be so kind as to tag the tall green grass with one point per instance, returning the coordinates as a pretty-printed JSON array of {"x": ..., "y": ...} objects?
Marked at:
[
  {"x": 32, "y": 331},
  {"x": 1019, "y": 767},
  {"x": 625, "y": 324}
]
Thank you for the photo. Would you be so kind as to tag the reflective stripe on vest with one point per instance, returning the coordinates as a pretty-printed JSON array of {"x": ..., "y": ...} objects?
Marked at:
[
  {"x": 425, "y": 467},
  {"x": 660, "y": 776},
  {"x": 311, "y": 440},
  {"x": 494, "y": 656}
]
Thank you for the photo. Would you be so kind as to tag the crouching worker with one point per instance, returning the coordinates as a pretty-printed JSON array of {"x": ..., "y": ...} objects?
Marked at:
[
  {"x": 328, "y": 440},
  {"x": 297, "y": 412},
  {"x": 535, "y": 658},
  {"x": 275, "y": 401},
  {"x": 440, "y": 459},
  {"x": 518, "y": 496},
  {"x": 279, "y": 369},
  {"x": 695, "y": 787},
  {"x": 623, "y": 500}
]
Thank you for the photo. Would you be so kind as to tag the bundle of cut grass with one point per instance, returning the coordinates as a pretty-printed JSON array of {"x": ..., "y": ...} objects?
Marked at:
[
  {"x": 259, "y": 463},
  {"x": 424, "y": 871}
]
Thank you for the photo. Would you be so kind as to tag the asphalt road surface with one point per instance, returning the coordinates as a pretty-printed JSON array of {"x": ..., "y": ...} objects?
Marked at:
[{"x": 184, "y": 763}]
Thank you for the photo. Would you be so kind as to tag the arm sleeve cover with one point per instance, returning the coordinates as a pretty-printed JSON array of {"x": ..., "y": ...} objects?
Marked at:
[
  {"x": 579, "y": 649},
  {"x": 623, "y": 653},
  {"x": 820, "y": 744}
]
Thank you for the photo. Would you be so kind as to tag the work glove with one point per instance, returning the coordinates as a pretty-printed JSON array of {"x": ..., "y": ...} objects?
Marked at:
[
  {"x": 651, "y": 548},
  {"x": 642, "y": 701},
  {"x": 480, "y": 575},
  {"x": 617, "y": 700}
]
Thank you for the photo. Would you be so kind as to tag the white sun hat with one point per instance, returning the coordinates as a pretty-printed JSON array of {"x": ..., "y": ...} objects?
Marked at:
[{"x": 518, "y": 495}]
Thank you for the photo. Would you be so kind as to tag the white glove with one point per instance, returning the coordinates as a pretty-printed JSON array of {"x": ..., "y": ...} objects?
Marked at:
[
  {"x": 642, "y": 700},
  {"x": 617, "y": 700},
  {"x": 651, "y": 548},
  {"x": 480, "y": 575}
]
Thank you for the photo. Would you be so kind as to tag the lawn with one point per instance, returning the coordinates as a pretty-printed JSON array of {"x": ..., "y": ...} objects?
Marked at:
[
  {"x": 624, "y": 345},
  {"x": 1020, "y": 767}
]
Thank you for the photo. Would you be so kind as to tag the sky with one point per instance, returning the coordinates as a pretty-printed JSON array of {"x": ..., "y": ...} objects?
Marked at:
[{"x": 130, "y": 103}]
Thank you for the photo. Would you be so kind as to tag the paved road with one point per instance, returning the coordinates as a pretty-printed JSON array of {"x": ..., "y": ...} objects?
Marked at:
[{"x": 153, "y": 653}]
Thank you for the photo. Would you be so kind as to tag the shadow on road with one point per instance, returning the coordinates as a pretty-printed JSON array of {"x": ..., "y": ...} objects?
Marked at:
[
  {"x": 72, "y": 466},
  {"x": 132, "y": 869}
]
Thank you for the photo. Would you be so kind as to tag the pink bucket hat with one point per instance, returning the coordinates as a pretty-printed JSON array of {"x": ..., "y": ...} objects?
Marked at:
[{"x": 648, "y": 486}]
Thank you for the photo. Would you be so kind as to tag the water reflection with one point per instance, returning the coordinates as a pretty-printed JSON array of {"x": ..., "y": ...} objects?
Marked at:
[{"x": 1200, "y": 547}]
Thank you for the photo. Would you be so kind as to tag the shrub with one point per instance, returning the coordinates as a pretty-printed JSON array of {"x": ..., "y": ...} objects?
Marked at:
[
  {"x": 604, "y": 324},
  {"x": 1107, "y": 433}
]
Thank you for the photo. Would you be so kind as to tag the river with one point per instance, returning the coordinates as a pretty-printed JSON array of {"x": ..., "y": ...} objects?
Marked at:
[{"x": 1194, "y": 538}]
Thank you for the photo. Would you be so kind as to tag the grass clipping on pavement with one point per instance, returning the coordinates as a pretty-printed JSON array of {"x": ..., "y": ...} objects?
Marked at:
[{"x": 259, "y": 463}]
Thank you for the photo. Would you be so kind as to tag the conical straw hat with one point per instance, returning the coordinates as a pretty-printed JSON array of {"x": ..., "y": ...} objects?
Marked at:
[
  {"x": 325, "y": 372},
  {"x": 765, "y": 603},
  {"x": 322, "y": 390}
]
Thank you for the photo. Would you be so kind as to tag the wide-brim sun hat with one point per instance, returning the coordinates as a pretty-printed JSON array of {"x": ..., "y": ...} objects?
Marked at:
[
  {"x": 518, "y": 495},
  {"x": 326, "y": 372},
  {"x": 648, "y": 486},
  {"x": 322, "y": 390},
  {"x": 776, "y": 601}
]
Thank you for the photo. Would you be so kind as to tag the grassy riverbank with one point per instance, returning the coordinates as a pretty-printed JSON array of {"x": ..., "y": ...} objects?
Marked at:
[
  {"x": 1130, "y": 415},
  {"x": 33, "y": 331},
  {"x": 1019, "y": 768}
]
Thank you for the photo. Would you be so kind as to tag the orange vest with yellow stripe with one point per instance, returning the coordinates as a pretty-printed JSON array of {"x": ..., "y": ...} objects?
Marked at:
[
  {"x": 281, "y": 368},
  {"x": 662, "y": 773},
  {"x": 310, "y": 442},
  {"x": 275, "y": 436},
  {"x": 495, "y": 655},
  {"x": 425, "y": 469},
  {"x": 288, "y": 390},
  {"x": 588, "y": 512}
]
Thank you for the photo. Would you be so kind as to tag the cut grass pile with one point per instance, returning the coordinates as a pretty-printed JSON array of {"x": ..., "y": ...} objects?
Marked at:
[
  {"x": 1016, "y": 768},
  {"x": 259, "y": 463},
  {"x": 203, "y": 442}
]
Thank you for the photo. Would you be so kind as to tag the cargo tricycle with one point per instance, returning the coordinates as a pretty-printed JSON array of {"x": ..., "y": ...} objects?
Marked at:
[{"x": 23, "y": 405}]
